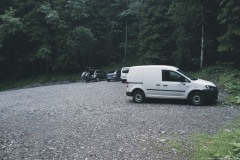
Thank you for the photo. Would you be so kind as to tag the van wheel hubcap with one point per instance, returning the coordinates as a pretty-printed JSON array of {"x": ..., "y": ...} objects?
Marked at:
[
  {"x": 138, "y": 98},
  {"x": 196, "y": 99}
]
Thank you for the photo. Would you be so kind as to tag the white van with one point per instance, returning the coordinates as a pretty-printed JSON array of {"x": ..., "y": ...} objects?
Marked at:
[
  {"x": 160, "y": 81},
  {"x": 124, "y": 72}
]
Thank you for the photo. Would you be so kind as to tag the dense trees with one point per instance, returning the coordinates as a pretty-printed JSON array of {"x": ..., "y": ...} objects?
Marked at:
[
  {"x": 44, "y": 36},
  {"x": 230, "y": 39},
  {"x": 156, "y": 45}
]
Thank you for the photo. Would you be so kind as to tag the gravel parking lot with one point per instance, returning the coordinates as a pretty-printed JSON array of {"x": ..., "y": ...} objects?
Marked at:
[{"x": 98, "y": 121}]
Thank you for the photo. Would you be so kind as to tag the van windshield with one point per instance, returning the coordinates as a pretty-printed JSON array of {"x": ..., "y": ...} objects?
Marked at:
[{"x": 187, "y": 75}]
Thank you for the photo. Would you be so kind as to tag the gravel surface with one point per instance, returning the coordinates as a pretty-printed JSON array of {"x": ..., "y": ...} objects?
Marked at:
[{"x": 98, "y": 121}]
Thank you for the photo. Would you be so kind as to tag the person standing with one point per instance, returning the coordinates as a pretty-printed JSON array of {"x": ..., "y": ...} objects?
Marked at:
[
  {"x": 87, "y": 77},
  {"x": 83, "y": 76}
]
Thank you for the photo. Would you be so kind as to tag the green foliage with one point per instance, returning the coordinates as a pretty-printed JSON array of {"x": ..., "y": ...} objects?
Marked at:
[
  {"x": 41, "y": 80},
  {"x": 119, "y": 66},
  {"x": 77, "y": 9},
  {"x": 51, "y": 16},
  {"x": 230, "y": 39},
  {"x": 155, "y": 30},
  {"x": 129, "y": 15},
  {"x": 186, "y": 17},
  {"x": 83, "y": 35},
  {"x": 79, "y": 46},
  {"x": 133, "y": 8},
  {"x": 11, "y": 24},
  {"x": 170, "y": 32},
  {"x": 44, "y": 53},
  {"x": 11, "y": 29},
  {"x": 223, "y": 145},
  {"x": 225, "y": 76},
  {"x": 40, "y": 37},
  {"x": 1, "y": 59}
]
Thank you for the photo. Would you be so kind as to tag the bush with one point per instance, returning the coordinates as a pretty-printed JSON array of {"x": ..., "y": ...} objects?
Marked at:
[
  {"x": 223, "y": 145},
  {"x": 224, "y": 75}
]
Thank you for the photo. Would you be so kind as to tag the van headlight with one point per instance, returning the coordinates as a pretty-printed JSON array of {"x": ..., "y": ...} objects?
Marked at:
[{"x": 209, "y": 87}]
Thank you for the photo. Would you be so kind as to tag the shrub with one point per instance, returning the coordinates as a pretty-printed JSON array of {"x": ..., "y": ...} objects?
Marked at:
[
  {"x": 224, "y": 75},
  {"x": 223, "y": 145}
]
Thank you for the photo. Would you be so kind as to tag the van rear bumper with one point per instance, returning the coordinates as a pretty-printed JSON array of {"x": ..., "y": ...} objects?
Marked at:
[
  {"x": 129, "y": 94},
  {"x": 211, "y": 95}
]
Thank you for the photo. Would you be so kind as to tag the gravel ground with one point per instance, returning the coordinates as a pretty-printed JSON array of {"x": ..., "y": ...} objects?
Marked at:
[{"x": 98, "y": 121}]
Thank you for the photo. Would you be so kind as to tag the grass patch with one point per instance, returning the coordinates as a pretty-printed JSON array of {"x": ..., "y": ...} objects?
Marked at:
[
  {"x": 223, "y": 145},
  {"x": 172, "y": 144},
  {"x": 40, "y": 80}
]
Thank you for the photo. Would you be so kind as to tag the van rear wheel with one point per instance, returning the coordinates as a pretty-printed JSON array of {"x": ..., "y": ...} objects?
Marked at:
[
  {"x": 138, "y": 97},
  {"x": 196, "y": 98}
]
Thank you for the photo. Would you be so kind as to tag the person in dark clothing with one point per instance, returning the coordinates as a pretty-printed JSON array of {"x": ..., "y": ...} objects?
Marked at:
[{"x": 87, "y": 77}]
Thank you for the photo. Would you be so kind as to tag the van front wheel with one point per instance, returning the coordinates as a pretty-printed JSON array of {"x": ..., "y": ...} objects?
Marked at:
[
  {"x": 196, "y": 98},
  {"x": 138, "y": 96}
]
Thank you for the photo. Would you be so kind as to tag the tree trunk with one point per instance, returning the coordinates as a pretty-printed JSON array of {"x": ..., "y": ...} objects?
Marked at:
[
  {"x": 202, "y": 41},
  {"x": 47, "y": 67},
  {"x": 126, "y": 39},
  {"x": 33, "y": 68}
]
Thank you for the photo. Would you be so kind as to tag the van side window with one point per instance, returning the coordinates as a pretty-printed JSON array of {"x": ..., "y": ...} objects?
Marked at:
[{"x": 171, "y": 76}]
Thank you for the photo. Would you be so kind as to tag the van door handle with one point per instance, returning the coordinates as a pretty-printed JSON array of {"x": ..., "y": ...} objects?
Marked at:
[
  {"x": 158, "y": 85},
  {"x": 165, "y": 85}
]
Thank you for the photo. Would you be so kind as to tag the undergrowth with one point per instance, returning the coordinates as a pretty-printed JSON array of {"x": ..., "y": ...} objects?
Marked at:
[
  {"x": 224, "y": 145},
  {"x": 55, "y": 78},
  {"x": 40, "y": 80},
  {"x": 226, "y": 76}
]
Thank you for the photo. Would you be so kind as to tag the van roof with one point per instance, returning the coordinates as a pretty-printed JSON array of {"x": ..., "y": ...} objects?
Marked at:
[
  {"x": 161, "y": 66},
  {"x": 125, "y": 68}
]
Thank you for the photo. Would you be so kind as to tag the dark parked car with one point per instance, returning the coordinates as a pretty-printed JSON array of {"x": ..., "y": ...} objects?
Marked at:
[
  {"x": 114, "y": 75},
  {"x": 98, "y": 75}
]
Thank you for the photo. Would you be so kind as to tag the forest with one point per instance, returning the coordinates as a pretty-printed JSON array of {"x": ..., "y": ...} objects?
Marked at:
[{"x": 65, "y": 36}]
